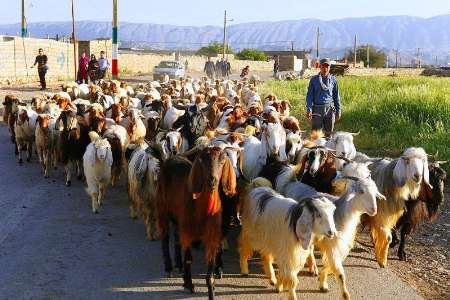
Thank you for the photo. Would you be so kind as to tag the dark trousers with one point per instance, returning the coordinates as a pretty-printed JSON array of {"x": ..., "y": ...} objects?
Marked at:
[
  {"x": 42, "y": 73},
  {"x": 323, "y": 117}
]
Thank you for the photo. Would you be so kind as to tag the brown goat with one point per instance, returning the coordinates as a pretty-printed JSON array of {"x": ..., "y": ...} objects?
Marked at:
[
  {"x": 189, "y": 195},
  {"x": 421, "y": 210},
  {"x": 291, "y": 124},
  {"x": 318, "y": 169},
  {"x": 9, "y": 116}
]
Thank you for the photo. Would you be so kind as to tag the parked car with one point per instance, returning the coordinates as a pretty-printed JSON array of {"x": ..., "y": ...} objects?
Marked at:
[{"x": 174, "y": 69}]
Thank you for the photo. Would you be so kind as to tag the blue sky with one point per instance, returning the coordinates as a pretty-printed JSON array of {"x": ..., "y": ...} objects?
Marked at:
[{"x": 201, "y": 12}]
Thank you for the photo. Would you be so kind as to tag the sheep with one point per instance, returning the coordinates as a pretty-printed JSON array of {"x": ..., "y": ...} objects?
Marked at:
[
  {"x": 46, "y": 142},
  {"x": 24, "y": 130},
  {"x": 143, "y": 172},
  {"x": 188, "y": 195},
  {"x": 297, "y": 226},
  {"x": 424, "y": 209},
  {"x": 97, "y": 162},
  {"x": 359, "y": 198},
  {"x": 399, "y": 180}
]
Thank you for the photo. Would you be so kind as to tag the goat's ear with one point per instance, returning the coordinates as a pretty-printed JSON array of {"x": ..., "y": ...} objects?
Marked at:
[
  {"x": 92, "y": 155},
  {"x": 400, "y": 172},
  {"x": 180, "y": 142},
  {"x": 426, "y": 172},
  {"x": 303, "y": 228},
  {"x": 303, "y": 163},
  {"x": 380, "y": 196},
  {"x": 228, "y": 178},
  {"x": 241, "y": 161},
  {"x": 196, "y": 178}
]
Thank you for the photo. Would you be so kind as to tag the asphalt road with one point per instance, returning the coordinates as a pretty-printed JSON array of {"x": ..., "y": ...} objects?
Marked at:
[{"x": 53, "y": 247}]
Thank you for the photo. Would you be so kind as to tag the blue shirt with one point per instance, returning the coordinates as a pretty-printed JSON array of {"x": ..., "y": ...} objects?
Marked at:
[
  {"x": 318, "y": 96},
  {"x": 103, "y": 63}
]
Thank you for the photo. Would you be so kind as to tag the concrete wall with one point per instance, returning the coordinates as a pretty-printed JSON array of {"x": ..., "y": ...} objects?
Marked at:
[{"x": 17, "y": 56}]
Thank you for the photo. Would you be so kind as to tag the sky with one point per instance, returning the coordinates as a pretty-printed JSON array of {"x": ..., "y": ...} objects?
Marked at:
[{"x": 203, "y": 12}]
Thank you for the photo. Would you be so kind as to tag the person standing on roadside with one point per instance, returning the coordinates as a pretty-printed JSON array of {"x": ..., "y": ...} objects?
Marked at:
[
  {"x": 228, "y": 68},
  {"x": 41, "y": 61},
  {"x": 103, "y": 65},
  {"x": 323, "y": 105},
  {"x": 209, "y": 68},
  {"x": 276, "y": 66},
  {"x": 93, "y": 69},
  {"x": 83, "y": 68}
]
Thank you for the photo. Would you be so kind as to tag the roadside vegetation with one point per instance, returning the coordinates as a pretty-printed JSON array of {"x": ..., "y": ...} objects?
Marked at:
[{"x": 392, "y": 113}]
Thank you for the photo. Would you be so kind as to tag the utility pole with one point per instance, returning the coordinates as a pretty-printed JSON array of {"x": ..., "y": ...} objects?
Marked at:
[
  {"x": 115, "y": 47},
  {"x": 436, "y": 61},
  {"x": 368, "y": 56},
  {"x": 317, "y": 42},
  {"x": 24, "y": 20},
  {"x": 292, "y": 47},
  {"x": 396, "y": 58},
  {"x": 354, "y": 53},
  {"x": 418, "y": 58},
  {"x": 74, "y": 41},
  {"x": 224, "y": 34}
]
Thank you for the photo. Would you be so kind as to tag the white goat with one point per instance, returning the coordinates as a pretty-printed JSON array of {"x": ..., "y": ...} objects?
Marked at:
[
  {"x": 296, "y": 225},
  {"x": 359, "y": 198},
  {"x": 342, "y": 142},
  {"x": 24, "y": 129},
  {"x": 97, "y": 162},
  {"x": 171, "y": 115},
  {"x": 399, "y": 180},
  {"x": 256, "y": 152}
]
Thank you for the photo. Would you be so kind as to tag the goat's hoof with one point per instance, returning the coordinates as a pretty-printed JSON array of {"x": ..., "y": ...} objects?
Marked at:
[
  {"x": 68, "y": 183},
  {"x": 189, "y": 287},
  {"x": 180, "y": 270},
  {"x": 169, "y": 274},
  {"x": 46, "y": 176},
  {"x": 218, "y": 274},
  {"x": 28, "y": 159},
  {"x": 382, "y": 265},
  {"x": 402, "y": 257},
  {"x": 244, "y": 274},
  {"x": 20, "y": 161},
  {"x": 95, "y": 211},
  {"x": 79, "y": 177},
  {"x": 324, "y": 289}
]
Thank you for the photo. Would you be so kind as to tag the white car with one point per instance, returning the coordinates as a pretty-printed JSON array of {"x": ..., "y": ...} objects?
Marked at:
[{"x": 174, "y": 69}]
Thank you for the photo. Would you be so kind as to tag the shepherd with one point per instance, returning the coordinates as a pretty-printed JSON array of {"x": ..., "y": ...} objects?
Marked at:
[{"x": 323, "y": 105}]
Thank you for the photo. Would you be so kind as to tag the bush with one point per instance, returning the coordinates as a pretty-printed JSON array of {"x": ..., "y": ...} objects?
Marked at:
[
  {"x": 251, "y": 54},
  {"x": 391, "y": 113},
  {"x": 213, "y": 49},
  {"x": 377, "y": 57}
]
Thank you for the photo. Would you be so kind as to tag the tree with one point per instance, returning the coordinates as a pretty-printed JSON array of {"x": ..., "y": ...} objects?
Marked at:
[
  {"x": 377, "y": 57},
  {"x": 213, "y": 49},
  {"x": 251, "y": 54}
]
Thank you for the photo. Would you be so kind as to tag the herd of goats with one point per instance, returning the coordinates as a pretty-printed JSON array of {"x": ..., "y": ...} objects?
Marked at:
[{"x": 200, "y": 156}]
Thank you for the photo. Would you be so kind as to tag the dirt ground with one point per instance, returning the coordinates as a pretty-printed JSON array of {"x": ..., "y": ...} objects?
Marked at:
[{"x": 428, "y": 267}]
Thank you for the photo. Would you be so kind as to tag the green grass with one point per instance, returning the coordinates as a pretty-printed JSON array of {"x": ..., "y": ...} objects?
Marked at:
[{"x": 392, "y": 113}]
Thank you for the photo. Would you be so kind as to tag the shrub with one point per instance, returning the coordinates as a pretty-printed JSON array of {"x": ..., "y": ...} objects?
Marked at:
[{"x": 251, "y": 54}]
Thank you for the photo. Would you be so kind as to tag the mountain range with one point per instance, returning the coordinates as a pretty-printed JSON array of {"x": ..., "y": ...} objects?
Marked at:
[{"x": 406, "y": 33}]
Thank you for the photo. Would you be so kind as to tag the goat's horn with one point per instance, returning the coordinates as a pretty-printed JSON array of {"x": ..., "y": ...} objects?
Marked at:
[
  {"x": 191, "y": 151},
  {"x": 350, "y": 178},
  {"x": 341, "y": 157},
  {"x": 355, "y": 133},
  {"x": 441, "y": 162}
]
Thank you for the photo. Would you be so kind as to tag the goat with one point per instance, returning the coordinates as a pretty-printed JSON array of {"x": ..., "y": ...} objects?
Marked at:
[
  {"x": 136, "y": 127},
  {"x": 256, "y": 152},
  {"x": 423, "y": 209},
  {"x": 297, "y": 225},
  {"x": 188, "y": 194},
  {"x": 342, "y": 142},
  {"x": 399, "y": 180},
  {"x": 97, "y": 162},
  {"x": 24, "y": 130},
  {"x": 73, "y": 140},
  {"x": 9, "y": 116},
  {"x": 46, "y": 142},
  {"x": 143, "y": 172},
  {"x": 359, "y": 198}
]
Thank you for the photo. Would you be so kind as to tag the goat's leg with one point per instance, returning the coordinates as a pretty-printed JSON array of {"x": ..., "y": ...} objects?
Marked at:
[
  {"x": 29, "y": 150},
  {"x": 210, "y": 282},
  {"x": 245, "y": 252},
  {"x": 94, "y": 200},
  {"x": 165, "y": 240},
  {"x": 187, "y": 277},
  {"x": 340, "y": 277},
  {"x": 101, "y": 194},
  {"x": 177, "y": 252},
  {"x": 268, "y": 269},
  {"x": 395, "y": 240},
  {"x": 19, "y": 152},
  {"x": 79, "y": 169},
  {"x": 311, "y": 262},
  {"x": 46, "y": 164},
  {"x": 406, "y": 229},
  {"x": 218, "y": 270},
  {"x": 323, "y": 275},
  {"x": 68, "y": 170}
]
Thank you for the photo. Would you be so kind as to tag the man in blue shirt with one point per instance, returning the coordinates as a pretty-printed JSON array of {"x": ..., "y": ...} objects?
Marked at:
[{"x": 323, "y": 106}]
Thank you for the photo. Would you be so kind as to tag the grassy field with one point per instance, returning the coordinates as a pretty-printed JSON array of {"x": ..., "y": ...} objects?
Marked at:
[{"x": 392, "y": 113}]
